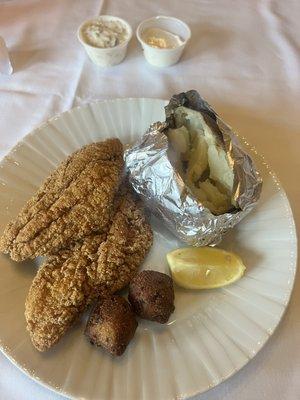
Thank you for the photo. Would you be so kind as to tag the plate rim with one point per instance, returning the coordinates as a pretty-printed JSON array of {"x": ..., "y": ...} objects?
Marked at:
[{"x": 289, "y": 215}]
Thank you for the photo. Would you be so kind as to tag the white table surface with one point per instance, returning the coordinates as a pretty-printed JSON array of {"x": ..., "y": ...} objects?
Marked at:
[{"x": 244, "y": 58}]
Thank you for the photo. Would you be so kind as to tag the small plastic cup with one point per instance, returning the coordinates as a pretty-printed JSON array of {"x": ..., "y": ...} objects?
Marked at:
[
  {"x": 105, "y": 57},
  {"x": 164, "y": 57}
]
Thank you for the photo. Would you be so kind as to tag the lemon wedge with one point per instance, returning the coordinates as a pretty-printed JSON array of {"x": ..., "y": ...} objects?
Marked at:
[{"x": 204, "y": 267}]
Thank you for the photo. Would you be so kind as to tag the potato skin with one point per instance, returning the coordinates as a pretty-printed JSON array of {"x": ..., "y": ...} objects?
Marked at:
[
  {"x": 111, "y": 325},
  {"x": 151, "y": 295}
]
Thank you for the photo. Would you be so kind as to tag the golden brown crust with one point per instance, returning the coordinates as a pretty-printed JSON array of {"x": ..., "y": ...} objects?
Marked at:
[
  {"x": 127, "y": 243},
  {"x": 67, "y": 282},
  {"x": 73, "y": 202},
  {"x": 62, "y": 288}
]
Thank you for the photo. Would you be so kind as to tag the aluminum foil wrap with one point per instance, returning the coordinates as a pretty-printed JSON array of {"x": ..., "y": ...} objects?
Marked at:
[{"x": 164, "y": 192}]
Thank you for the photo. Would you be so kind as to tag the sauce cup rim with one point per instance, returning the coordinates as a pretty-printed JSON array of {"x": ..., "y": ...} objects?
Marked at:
[
  {"x": 140, "y": 39},
  {"x": 107, "y": 18}
]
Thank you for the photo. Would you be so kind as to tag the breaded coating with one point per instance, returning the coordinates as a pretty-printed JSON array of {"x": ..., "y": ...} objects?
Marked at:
[
  {"x": 128, "y": 241},
  {"x": 151, "y": 295},
  {"x": 111, "y": 325},
  {"x": 61, "y": 290},
  {"x": 73, "y": 202},
  {"x": 69, "y": 281}
]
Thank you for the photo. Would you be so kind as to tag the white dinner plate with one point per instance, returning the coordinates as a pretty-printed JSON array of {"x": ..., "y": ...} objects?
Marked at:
[{"x": 211, "y": 335}]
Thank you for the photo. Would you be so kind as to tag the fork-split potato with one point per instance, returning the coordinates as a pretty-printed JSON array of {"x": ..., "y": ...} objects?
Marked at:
[{"x": 201, "y": 160}]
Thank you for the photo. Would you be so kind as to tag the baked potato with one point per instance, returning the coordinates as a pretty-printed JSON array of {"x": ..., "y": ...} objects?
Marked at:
[{"x": 201, "y": 160}]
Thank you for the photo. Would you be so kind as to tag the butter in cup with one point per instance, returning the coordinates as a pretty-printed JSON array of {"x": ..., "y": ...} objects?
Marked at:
[
  {"x": 163, "y": 39},
  {"x": 114, "y": 41}
]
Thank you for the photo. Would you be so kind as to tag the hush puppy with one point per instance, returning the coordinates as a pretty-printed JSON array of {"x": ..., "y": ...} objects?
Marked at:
[
  {"x": 151, "y": 295},
  {"x": 111, "y": 325}
]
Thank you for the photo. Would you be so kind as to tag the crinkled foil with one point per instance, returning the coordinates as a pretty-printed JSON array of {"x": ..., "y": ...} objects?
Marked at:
[{"x": 164, "y": 192}]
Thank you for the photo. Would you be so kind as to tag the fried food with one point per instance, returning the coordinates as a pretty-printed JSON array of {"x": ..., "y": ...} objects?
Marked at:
[
  {"x": 63, "y": 287},
  {"x": 128, "y": 241},
  {"x": 111, "y": 325},
  {"x": 75, "y": 201},
  {"x": 70, "y": 280},
  {"x": 151, "y": 295}
]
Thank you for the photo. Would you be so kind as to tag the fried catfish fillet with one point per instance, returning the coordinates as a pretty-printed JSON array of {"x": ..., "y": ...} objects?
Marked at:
[
  {"x": 70, "y": 280},
  {"x": 62, "y": 288},
  {"x": 73, "y": 202}
]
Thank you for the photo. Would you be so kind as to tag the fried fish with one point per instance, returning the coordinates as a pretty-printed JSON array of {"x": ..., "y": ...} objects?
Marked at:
[
  {"x": 70, "y": 280},
  {"x": 75, "y": 201}
]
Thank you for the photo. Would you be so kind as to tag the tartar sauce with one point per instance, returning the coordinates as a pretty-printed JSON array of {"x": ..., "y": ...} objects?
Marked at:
[
  {"x": 105, "y": 34},
  {"x": 161, "y": 39}
]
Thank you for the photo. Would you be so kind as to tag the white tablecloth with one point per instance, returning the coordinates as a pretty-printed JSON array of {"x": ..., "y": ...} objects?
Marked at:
[{"x": 243, "y": 58}]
